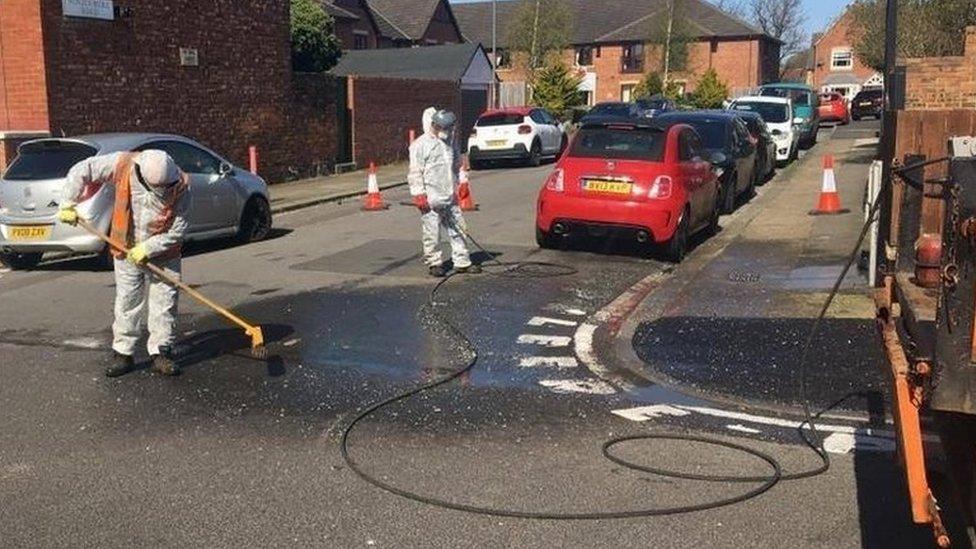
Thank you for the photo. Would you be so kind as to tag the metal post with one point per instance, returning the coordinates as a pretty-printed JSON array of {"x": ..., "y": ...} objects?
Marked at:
[
  {"x": 888, "y": 125},
  {"x": 494, "y": 54}
]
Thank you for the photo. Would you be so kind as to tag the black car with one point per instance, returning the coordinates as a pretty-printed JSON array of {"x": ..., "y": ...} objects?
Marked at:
[
  {"x": 867, "y": 103},
  {"x": 765, "y": 146},
  {"x": 726, "y": 139},
  {"x": 655, "y": 105},
  {"x": 616, "y": 109}
]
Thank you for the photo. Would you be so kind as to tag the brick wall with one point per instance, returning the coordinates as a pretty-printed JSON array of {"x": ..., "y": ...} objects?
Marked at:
[
  {"x": 23, "y": 97},
  {"x": 125, "y": 75},
  {"x": 936, "y": 83},
  {"x": 442, "y": 28},
  {"x": 385, "y": 110}
]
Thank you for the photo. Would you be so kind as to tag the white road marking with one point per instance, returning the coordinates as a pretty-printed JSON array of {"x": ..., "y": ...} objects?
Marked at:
[
  {"x": 567, "y": 386},
  {"x": 561, "y": 362},
  {"x": 545, "y": 340},
  {"x": 844, "y": 443},
  {"x": 575, "y": 312},
  {"x": 291, "y": 342},
  {"x": 542, "y": 321},
  {"x": 743, "y": 429},
  {"x": 83, "y": 342},
  {"x": 583, "y": 343},
  {"x": 645, "y": 413}
]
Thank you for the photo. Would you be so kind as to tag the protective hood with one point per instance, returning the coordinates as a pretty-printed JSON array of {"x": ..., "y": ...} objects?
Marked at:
[
  {"x": 157, "y": 169},
  {"x": 428, "y": 119}
]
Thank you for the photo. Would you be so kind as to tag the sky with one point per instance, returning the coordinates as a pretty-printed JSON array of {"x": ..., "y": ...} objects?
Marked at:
[{"x": 819, "y": 12}]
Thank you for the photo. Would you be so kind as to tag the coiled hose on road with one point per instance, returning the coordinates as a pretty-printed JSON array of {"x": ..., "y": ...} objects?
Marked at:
[{"x": 534, "y": 269}]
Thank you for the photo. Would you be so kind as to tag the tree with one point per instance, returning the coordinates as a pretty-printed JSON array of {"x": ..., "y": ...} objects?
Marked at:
[
  {"x": 732, "y": 7},
  {"x": 926, "y": 28},
  {"x": 539, "y": 29},
  {"x": 649, "y": 86},
  {"x": 556, "y": 89},
  {"x": 783, "y": 20},
  {"x": 672, "y": 35},
  {"x": 314, "y": 46},
  {"x": 710, "y": 92}
]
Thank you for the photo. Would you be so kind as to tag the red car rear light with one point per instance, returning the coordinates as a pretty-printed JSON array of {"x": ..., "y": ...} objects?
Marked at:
[
  {"x": 525, "y": 129},
  {"x": 555, "y": 181},
  {"x": 661, "y": 187}
]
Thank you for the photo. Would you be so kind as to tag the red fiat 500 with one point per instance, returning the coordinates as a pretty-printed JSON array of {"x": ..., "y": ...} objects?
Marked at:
[
  {"x": 647, "y": 180},
  {"x": 833, "y": 108}
]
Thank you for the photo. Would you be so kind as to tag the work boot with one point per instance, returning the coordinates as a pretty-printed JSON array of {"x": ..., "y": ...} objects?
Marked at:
[
  {"x": 121, "y": 365},
  {"x": 470, "y": 269},
  {"x": 438, "y": 271},
  {"x": 164, "y": 365}
]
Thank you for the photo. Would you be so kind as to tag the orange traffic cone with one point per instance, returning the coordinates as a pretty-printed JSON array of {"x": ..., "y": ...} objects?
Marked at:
[
  {"x": 374, "y": 200},
  {"x": 829, "y": 203},
  {"x": 464, "y": 190}
]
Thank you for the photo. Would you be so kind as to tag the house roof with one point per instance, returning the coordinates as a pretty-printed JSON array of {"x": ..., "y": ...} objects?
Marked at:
[
  {"x": 337, "y": 12},
  {"x": 629, "y": 20},
  {"x": 448, "y": 62},
  {"x": 403, "y": 19}
]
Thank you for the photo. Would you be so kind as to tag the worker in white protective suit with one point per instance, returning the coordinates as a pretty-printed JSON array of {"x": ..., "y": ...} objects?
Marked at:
[
  {"x": 433, "y": 177},
  {"x": 150, "y": 218}
]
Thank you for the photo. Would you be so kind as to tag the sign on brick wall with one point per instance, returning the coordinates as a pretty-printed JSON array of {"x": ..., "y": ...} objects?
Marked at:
[{"x": 91, "y": 9}]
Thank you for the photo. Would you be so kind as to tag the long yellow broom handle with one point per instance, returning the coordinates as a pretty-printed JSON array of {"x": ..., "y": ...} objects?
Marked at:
[{"x": 166, "y": 277}]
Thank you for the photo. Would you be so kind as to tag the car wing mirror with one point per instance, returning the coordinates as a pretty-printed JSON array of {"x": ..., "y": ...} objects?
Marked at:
[{"x": 226, "y": 169}]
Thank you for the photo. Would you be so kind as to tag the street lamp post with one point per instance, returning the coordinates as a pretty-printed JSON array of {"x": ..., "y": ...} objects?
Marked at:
[
  {"x": 494, "y": 53},
  {"x": 888, "y": 127}
]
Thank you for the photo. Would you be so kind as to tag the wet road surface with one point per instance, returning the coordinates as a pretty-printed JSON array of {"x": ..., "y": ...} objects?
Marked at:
[{"x": 242, "y": 452}]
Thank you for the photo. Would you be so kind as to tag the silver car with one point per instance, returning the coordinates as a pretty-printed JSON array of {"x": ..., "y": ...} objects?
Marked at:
[{"x": 225, "y": 200}]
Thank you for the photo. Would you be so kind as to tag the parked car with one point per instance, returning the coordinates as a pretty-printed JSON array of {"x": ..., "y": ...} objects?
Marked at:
[
  {"x": 643, "y": 178},
  {"x": 868, "y": 102},
  {"x": 726, "y": 140},
  {"x": 833, "y": 108},
  {"x": 765, "y": 146},
  {"x": 777, "y": 113},
  {"x": 225, "y": 200},
  {"x": 614, "y": 109},
  {"x": 806, "y": 108},
  {"x": 524, "y": 134},
  {"x": 655, "y": 105}
]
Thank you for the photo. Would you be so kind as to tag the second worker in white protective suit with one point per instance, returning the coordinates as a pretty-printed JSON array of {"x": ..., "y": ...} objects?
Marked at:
[
  {"x": 433, "y": 177},
  {"x": 150, "y": 218}
]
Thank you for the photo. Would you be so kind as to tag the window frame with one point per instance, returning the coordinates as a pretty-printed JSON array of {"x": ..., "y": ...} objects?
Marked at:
[
  {"x": 160, "y": 143},
  {"x": 360, "y": 35},
  {"x": 632, "y": 58},
  {"x": 591, "y": 50},
  {"x": 848, "y": 52}
]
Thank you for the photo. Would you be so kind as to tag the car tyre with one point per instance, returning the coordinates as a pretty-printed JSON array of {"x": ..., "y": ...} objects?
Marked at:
[
  {"x": 677, "y": 247},
  {"x": 544, "y": 239},
  {"x": 256, "y": 220},
  {"x": 20, "y": 262},
  {"x": 713, "y": 227},
  {"x": 535, "y": 155},
  {"x": 476, "y": 165},
  {"x": 855, "y": 118},
  {"x": 728, "y": 194}
]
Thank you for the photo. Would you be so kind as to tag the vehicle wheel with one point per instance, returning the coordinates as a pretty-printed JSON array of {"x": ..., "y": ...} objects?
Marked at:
[
  {"x": 751, "y": 190},
  {"x": 544, "y": 239},
  {"x": 535, "y": 155},
  {"x": 728, "y": 194},
  {"x": 677, "y": 247},
  {"x": 856, "y": 118},
  {"x": 713, "y": 222},
  {"x": 255, "y": 221},
  {"x": 476, "y": 165},
  {"x": 20, "y": 262}
]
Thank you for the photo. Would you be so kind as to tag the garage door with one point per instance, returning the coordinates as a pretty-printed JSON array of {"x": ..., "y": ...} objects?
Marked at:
[{"x": 473, "y": 103}]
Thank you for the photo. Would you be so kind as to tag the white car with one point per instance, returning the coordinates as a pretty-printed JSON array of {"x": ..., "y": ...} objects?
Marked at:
[
  {"x": 777, "y": 113},
  {"x": 525, "y": 134},
  {"x": 224, "y": 200}
]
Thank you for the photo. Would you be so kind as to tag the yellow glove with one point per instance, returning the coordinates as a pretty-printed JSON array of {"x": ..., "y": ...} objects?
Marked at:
[
  {"x": 138, "y": 254},
  {"x": 67, "y": 214}
]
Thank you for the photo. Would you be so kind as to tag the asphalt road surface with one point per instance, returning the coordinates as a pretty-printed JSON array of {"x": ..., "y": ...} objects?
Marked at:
[{"x": 240, "y": 452}]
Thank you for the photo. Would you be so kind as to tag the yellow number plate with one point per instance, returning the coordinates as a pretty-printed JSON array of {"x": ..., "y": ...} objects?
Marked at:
[
  {"x": 496, "y": 144},
  {"x": 29, "y": 232},
  {"x": 603, "y": 186}
]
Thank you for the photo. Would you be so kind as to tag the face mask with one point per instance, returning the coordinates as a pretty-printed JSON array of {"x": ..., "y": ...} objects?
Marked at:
[{"x": 443, "y": 135}]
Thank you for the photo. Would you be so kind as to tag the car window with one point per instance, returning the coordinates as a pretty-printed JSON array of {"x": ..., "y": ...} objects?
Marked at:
[
  {"x": 698, "y": 149},
  {"x": 612, "y": 109},
  {"x": 537, "y": 117},
  {"x": 774, "y": 113},
  {"x": 712, "y": 132},
  {"x": 190, "y": 159},
  {"x": 689, "y": 147},
  {"x": 548, "y": 117},
  {"x": 49, "y": 159},
  {"x": 621, "y": 143},
  {"x": 742, "y": 131},
  {"x": 500, "y": 119},
  {"x": 799, "y": 97}
]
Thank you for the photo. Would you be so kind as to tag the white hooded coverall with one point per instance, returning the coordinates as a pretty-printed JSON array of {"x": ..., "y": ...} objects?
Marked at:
[
  {"x": 149, "y": 208},
  {"x": 434, "y": 168}
]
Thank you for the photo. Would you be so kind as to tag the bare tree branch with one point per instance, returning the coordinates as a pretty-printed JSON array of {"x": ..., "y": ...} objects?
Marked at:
[{"x": 783, "y": 20}]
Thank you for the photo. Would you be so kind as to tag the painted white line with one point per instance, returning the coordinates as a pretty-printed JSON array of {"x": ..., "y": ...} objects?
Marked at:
[
  {"x": 545, "y": 340},
  {"x": 568, "y": 386},
  {"x": 583, "y": 343},
  {"x": 561, "y": 362},
  {"x": 743, "y": 429},
  {"x": 291, "y": 342},
  {"x": 83, "y": 342},
  {"x": 844, "y": 443},
  {"x": 575, "y": 312},
  {"x": 542, "y": 321},
  {"x": 645, "y": 413}
]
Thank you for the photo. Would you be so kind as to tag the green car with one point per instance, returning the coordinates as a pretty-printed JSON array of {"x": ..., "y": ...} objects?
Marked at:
[{"x": 806, "y": 108}]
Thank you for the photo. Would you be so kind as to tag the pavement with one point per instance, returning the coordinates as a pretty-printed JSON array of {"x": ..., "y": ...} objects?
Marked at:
[
  {"x": 241, "y": 452},
  {"x": 295, "y": 195}
]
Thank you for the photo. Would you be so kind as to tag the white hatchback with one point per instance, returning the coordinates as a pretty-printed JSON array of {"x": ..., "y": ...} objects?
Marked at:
[
  {"x": 525, "y": 134},
  {"x": 777, "y": 113}
]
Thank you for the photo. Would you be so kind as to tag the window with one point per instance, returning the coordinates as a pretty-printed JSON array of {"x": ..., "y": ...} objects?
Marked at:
[
  {"x": 632, "y": 58},
  {"x": 190, "y": 159},
  {"x": 774, "y": 113},
  {"x": 584, "y": 56},
  {"x": 47, "y": 159},
  {"x": 841, "y": 60},
  {"x": 689, "y": 149},
  {"x": 361, "y": 40},
  {"x": 619, "y": 143},
  {"x": 500, "y": 119},
  {"x": 627, "y": 92}
]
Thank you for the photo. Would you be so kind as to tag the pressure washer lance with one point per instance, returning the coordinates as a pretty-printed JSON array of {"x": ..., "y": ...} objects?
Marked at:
[{"x": 254, "y": 332}]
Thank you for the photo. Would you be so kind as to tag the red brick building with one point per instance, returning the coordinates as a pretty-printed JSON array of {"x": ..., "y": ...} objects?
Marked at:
[
  {"x": 612, "y": 46},
  {"x": 355, "y": 25},
  {"x": 368, "y": 24},
  {"x": 835, "y": 67}
]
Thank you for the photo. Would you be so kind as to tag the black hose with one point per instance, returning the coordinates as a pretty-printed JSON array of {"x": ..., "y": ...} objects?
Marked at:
[{"x": 533, "y": 269}]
